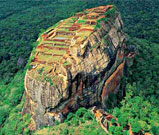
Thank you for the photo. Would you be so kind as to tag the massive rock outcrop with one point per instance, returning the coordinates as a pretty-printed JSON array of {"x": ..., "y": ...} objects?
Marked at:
[{"x": 77, "y": 62}]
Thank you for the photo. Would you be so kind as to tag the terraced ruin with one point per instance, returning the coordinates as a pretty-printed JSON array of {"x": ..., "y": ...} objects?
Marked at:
[
  {"x": 77, "y": 62},
  {"x": 61, "y": 44}
]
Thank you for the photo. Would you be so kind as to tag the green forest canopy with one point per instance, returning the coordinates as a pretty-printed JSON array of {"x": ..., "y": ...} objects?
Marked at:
[{"x": 22, "y": 21}]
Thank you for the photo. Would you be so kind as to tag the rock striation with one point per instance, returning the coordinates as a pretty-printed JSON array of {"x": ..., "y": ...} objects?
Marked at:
[{"x": 77, "y": 62}]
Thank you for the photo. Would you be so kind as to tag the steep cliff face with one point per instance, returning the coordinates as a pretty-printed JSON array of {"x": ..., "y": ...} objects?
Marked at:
[{"x": 77, "y": 62}]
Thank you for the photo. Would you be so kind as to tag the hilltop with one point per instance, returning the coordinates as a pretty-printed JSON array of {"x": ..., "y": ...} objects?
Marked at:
[{"x": 77, "y": 62}]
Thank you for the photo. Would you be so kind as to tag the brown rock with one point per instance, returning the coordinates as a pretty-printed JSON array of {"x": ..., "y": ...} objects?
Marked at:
[{"x": 75, "y": 65}]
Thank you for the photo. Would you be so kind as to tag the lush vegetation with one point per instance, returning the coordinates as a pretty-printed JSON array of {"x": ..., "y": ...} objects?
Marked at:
[
  {"x": 20, "y": 24},
  {"x": 140, "y": 106},
  {"x": 82, "y": 122}
]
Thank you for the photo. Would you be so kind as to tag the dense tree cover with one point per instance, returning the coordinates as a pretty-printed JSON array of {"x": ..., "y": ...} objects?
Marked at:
[
  {"x": 142, "y": 100},
  {"x": 22, "y": 21},
  {"x": 82, "y": 122},
  {"x": 11, "y": 103}
]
